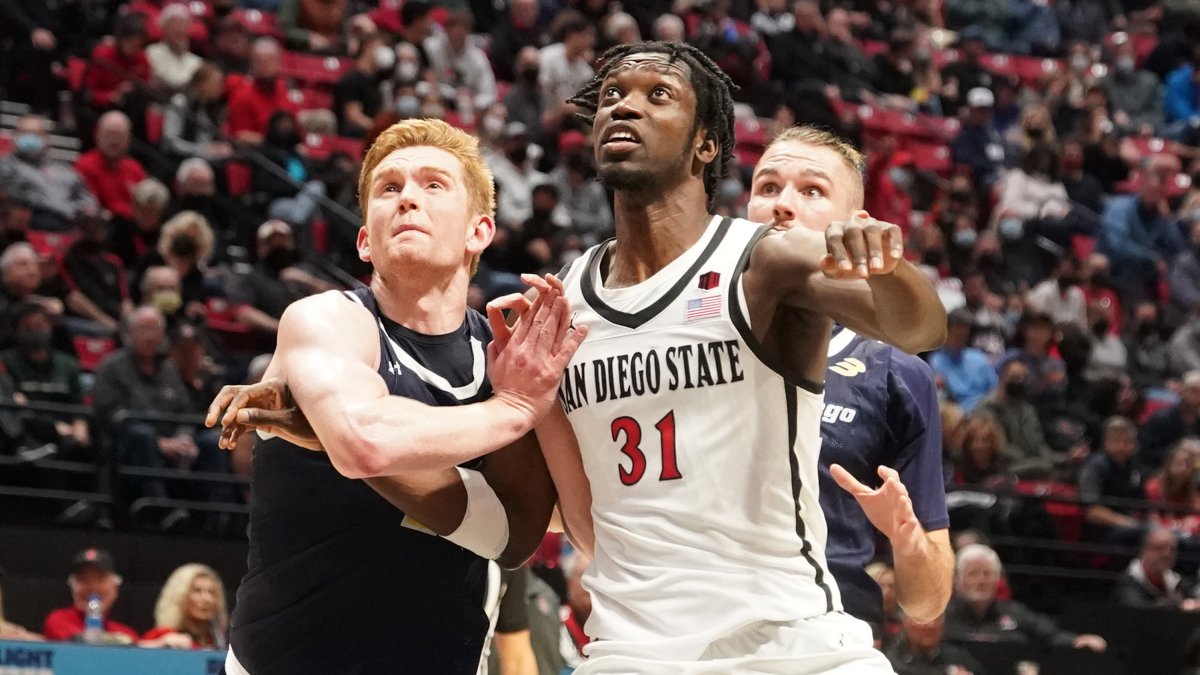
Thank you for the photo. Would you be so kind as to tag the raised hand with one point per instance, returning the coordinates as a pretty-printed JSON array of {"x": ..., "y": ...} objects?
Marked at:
[
  {"x": 861, "y": 247},
  {"x": 888, "y": 507},
  {"x": 266, "y": 406},
  {"x": 526, "y": 361}
]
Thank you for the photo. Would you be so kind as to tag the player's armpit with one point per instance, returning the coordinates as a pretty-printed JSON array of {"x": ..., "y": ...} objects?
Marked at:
[{"x": 565, "y": 462}]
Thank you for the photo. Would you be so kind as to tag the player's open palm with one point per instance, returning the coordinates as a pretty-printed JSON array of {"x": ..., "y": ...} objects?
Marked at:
[
  {"x": 888, "y": 507},
  {"x": 861, "y": 247},
  {"x": 526, "y": 361}
]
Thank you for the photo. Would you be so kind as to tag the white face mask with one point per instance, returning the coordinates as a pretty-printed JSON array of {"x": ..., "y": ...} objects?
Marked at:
[
  {"x": 385, "y": 58},
  {"x": 407, "y": 71}
]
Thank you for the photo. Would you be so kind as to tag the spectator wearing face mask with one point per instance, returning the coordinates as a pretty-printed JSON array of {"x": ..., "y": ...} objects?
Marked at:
[
  {"x": 52, "y": 189},
  {"x": 358, "y": 98},
  {"x": 978, "y": 146},
  {"x": 515, "y": 176},
  {"x": 1139, "y": 233},
  {"x": 524, "y": 101},
  {"x": 185, "y": 247},
  {"x": 1060, "y": 295},
  {"x": 1009, "y": 405},
  {"x": 275, "y": 281},
  {"x": 1134, "y": 95},
  {"x": 520, "y": 28}
]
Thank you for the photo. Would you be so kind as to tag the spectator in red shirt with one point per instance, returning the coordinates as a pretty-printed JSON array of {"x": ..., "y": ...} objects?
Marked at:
[
  {"x": 118, "y": 65},
  {"x": 108, "y": 170},
  {"x": 92, "y": 571},
  {"x": 252, "y": 103}
]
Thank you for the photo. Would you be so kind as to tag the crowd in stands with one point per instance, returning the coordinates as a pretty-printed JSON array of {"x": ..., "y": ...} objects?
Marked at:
[{"x": 175, "y": 174}]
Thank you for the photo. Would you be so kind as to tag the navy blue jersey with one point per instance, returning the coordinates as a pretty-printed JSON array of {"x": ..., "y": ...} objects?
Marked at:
[
  {"x": 881, "y": 408},
  {"x": 337, "y": 583}
]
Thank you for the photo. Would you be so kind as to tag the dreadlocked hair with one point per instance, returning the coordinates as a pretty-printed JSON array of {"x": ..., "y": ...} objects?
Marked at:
[{"x": 714, "y": 98}]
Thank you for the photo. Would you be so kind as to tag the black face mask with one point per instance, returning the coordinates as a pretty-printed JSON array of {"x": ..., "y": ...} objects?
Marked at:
[
  {"x": 278, "y": 259},
  {"x": 578, "y": 163},
  {"x": 518, "y": 155},
  {"x": 1065, "y": 283},
  {"x": 530, "y": 75},
  {"x": 1100, "y": 327},
  {"x": 1015, "y": 389},
  {"x": 183, "y": 246},
  {"x": 1102, "y": 280},
  {"x": 34, "y": 340},
  {"x": 1146, "y": 330},
  {"x": 934, "y": 257}
]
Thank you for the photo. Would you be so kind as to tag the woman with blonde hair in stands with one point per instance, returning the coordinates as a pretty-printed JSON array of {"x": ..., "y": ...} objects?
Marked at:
[
  {"x": 185, "y": 245},
  {"x": 1174, "y": 485},
  {"x": 190, "y": 612}
]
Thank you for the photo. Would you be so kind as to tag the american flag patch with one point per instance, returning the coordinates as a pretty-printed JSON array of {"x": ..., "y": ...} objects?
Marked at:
[{"x": 703, "y": 308}]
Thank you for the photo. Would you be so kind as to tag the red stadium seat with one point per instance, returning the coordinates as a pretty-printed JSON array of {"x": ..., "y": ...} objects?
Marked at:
[
  {"x": 239, "y": 178},
  {"x": 258, "y": 22},
  {"x": 935, "y": 157},
  {"x": 6, "y": 144},
  {"x": 49, "y": 244},
  {"x": 154, "y": 124},
  {"x": 314, "y": 69},
  {"x": 223, "y": 319},
  {"x": 92, "y": 350}
]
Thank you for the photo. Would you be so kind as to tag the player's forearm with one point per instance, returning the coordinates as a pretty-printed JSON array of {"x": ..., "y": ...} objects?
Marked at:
[
  {"x": 924, "y": 578},
  {"x": 437, "y": 499},
  {"x": 565, "y": 463},
  {"x": 395, "y": 435},
  {"x": 908, "y": 310}
]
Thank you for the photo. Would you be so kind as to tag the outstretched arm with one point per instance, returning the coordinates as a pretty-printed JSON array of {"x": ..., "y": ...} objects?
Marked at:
[{"x": 855, "y": 274}]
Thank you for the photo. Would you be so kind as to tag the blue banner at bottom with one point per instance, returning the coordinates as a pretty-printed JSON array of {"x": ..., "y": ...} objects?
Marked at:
[{"x": 64, "y": 658}]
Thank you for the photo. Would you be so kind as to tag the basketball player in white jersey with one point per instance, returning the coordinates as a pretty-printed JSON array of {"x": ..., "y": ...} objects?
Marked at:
[{"x": 698, "y": 430}]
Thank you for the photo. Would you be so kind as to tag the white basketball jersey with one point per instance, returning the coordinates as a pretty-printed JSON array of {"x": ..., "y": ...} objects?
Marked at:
[{"x": 702, "y": 459}]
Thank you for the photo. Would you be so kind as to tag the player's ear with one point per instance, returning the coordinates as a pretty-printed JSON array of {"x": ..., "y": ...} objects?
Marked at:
[
  {"x": 363, "y": 245},
  {"x": 480, "y": 235},
  {"x": 707, "y": 148}
]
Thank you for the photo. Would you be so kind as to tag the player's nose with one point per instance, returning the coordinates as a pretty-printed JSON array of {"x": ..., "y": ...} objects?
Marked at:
[{"x": 785, "y": 207}]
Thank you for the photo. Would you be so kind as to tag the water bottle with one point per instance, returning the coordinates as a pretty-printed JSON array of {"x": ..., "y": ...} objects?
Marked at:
[{"x": 93, "y": 621}]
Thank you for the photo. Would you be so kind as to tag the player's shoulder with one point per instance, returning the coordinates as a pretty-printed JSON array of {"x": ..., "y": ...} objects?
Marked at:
[{"x": 328, "y": 312}]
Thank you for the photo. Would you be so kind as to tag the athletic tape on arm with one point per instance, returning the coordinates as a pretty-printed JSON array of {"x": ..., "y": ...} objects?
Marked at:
[{"x": 484, "y": 528}]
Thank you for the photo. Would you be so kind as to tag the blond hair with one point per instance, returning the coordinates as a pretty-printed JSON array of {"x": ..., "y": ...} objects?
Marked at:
[
  {"x": 191, "y": 223},
  {"x": 168, "y": 611},
  {"x": 435, "y": 134},
  {"x": 822, "y": 138}
]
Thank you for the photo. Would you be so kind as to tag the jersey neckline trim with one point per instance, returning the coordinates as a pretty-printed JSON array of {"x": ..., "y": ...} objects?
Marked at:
[{"x": 635, "y": 320}]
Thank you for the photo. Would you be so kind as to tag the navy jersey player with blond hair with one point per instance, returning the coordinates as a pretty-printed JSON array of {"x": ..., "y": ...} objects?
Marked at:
[{"x": 880, "y": 424}]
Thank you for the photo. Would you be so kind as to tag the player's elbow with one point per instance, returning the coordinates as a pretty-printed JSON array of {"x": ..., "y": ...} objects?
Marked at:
[{"x": 927, "y": 338}]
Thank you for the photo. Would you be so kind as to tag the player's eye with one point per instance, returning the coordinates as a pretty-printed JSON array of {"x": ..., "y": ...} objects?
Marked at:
[
  {"x": 661, "y": 92},
  {"x": 612, "y": 92},
  {"x": 436, "y": 185},
  {"x": 814, "y": 192},
  {"x": 391, "y": 187},
  {"x": 768, "y": 189}
]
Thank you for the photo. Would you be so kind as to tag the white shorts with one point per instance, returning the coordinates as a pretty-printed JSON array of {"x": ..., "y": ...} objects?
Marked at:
[
  {"x": 829, "y": 644},
  {"x": 232, "y": 667}
]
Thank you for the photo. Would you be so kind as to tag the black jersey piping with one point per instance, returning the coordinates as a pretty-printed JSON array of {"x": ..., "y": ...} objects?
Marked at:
[
  {"x": 738, "y": 316},
  {"x": 797, "y": 487},
  {"x": 637, "y": 319}
]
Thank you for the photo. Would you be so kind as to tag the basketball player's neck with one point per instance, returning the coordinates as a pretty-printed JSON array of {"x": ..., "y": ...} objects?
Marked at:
[
  {"x": 426, "y": 304},
  {"x": 654, "y": 228}
]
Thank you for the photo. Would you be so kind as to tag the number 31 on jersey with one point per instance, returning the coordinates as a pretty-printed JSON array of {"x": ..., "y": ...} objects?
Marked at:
[{"x": 632, "y": 448}]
